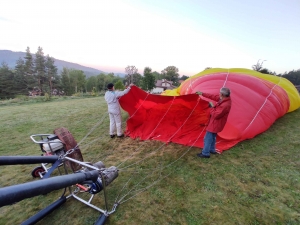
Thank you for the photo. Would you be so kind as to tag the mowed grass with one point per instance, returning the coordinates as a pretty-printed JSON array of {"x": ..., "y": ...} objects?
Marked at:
[{"x": 255, "y": 182}]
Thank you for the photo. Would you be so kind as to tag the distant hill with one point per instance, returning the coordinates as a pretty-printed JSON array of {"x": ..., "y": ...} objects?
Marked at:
[{"x": 11, "y": 58}]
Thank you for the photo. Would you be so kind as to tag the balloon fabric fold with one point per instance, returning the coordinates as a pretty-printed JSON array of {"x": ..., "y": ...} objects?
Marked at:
[{"x": 180, "y": 119}]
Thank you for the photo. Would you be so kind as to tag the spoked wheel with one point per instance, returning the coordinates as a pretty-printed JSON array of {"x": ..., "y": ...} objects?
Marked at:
[
  {"x": 65, "y": 136},
  {"x": 36, "y": 171}
]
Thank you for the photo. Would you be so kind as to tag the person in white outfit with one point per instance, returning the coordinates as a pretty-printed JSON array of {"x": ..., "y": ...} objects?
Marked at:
[{"x": 114, "y": 111}]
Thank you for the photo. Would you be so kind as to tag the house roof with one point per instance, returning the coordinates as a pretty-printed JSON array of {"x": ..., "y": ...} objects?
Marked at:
[{"x": 159, "y": 83}]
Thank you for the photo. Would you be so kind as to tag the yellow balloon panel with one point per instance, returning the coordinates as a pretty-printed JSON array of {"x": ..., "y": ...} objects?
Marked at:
[{"x": 173, "y": 92}]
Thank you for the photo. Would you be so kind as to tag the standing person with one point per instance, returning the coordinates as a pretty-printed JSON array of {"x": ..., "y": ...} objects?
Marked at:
[
  {"x": 114, "y": 111},
  {"x": 217, "y": 120}
]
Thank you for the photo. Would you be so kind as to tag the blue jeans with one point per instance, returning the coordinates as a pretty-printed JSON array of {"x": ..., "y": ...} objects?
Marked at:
[{"x": 209, "y": 143}]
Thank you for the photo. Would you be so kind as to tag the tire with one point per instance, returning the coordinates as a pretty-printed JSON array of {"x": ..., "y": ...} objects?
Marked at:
[{"x": 35, "y": 172}]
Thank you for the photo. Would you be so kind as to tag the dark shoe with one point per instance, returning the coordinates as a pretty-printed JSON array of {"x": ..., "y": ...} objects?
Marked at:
[
  {"x": 213, "y": 153},
  {"x": 121, "y": 136},
  {"x": 203, "y": 156},
  {"x": 112, "y": 136}
]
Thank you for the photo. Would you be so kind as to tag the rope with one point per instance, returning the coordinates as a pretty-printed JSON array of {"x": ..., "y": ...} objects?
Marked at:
[
  {"x": 158, "y": 180},
  {"x": 226, "y": 78},
  {"x": 97, "y": 124},
  {"x": 138, "y": 107},
  {"x": 143, "y": 189},
  {"x": 131, "y": 190},
  {"x": 162, "y": 117},
  {"x": 271, "y": 91},
  {"x": 171, "y": 136},
  {"x": 124, "y": 123},
  {"x": 190, "y": 85},
  {"x": 150, "y": 133},
  {"x": 157, "y": 168},
  {"x": 185, "y": 119}
]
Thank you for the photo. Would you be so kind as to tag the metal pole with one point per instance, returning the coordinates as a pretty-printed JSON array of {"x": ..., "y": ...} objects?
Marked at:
[
  {"x": 16, "y": 193},
  {"x": 14, "y": 160},
  {"x": 104, "y": 190},
  {"x": 83, "y": 163}
]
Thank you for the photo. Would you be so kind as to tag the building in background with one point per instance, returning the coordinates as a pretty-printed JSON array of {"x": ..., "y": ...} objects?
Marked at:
[{"x": 162, "y": 85}]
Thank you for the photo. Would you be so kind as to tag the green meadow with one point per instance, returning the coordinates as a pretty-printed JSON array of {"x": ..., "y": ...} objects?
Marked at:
[{"x": 255, "y": 182}]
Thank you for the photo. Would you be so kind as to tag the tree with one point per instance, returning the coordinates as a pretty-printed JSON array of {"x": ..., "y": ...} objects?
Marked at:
[
  {"x": 258, "y": 66},
  {"x": 20, "y": 83},
  {"x": 171, "y": 73},
  {"x": 184, "y": 77},
  {"x": 29, "y": 70},
  {"x": 266, "y": 71},
  {"x": 72, "y": 81},
  {"x": 6, "y": 82},
  {"x": 104, "y": 79},
  {"x": 102, "y": 82},
  {"x": 77, "y": 80},
  {"x": 40, "y": 69},
  {"x": 51, "y": 73},
  {"x": 111, "y": 78},
  {"x": 66, "y": 82},
  {"x": 130, "y": 71},
  {"x": 29, "y": 66},
  {"x": 157, "y": 75},
  {"x": 293, "y": 76},
  {"x": 119, "y": 85},
  {"x": 91, "y": 83},
  {"x": 137, "y": 79},
  {"x": 148, "y": 81}
]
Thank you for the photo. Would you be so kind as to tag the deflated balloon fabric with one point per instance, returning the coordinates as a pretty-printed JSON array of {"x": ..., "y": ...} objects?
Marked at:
[{"x": 180, "y": 116}]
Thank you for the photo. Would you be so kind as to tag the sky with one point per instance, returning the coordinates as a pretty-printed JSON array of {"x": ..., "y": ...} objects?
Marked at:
[{"x": 191, "y": 35}]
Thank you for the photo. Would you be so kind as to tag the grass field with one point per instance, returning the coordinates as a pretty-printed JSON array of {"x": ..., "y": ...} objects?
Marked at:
[{"x": 255, "y": 182}]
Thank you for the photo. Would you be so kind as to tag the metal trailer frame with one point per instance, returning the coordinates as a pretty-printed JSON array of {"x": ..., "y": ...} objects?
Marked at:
[
  {"x": 44, "y": 168},
  {"x": 61, "y": 160}
]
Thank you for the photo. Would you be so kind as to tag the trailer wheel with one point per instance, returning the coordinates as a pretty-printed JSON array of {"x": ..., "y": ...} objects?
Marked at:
[{"x": 36, "y": 171}]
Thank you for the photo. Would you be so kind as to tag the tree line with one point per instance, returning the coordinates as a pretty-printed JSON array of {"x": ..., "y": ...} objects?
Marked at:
[
  {"x": 36, "y": 74},
  {"x": 293, "y": 76},
  {"x": 29, "y": 73}
]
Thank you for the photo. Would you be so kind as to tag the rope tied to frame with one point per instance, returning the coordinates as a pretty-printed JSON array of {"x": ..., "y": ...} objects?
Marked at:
[{"x": 121, "y": 200}]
